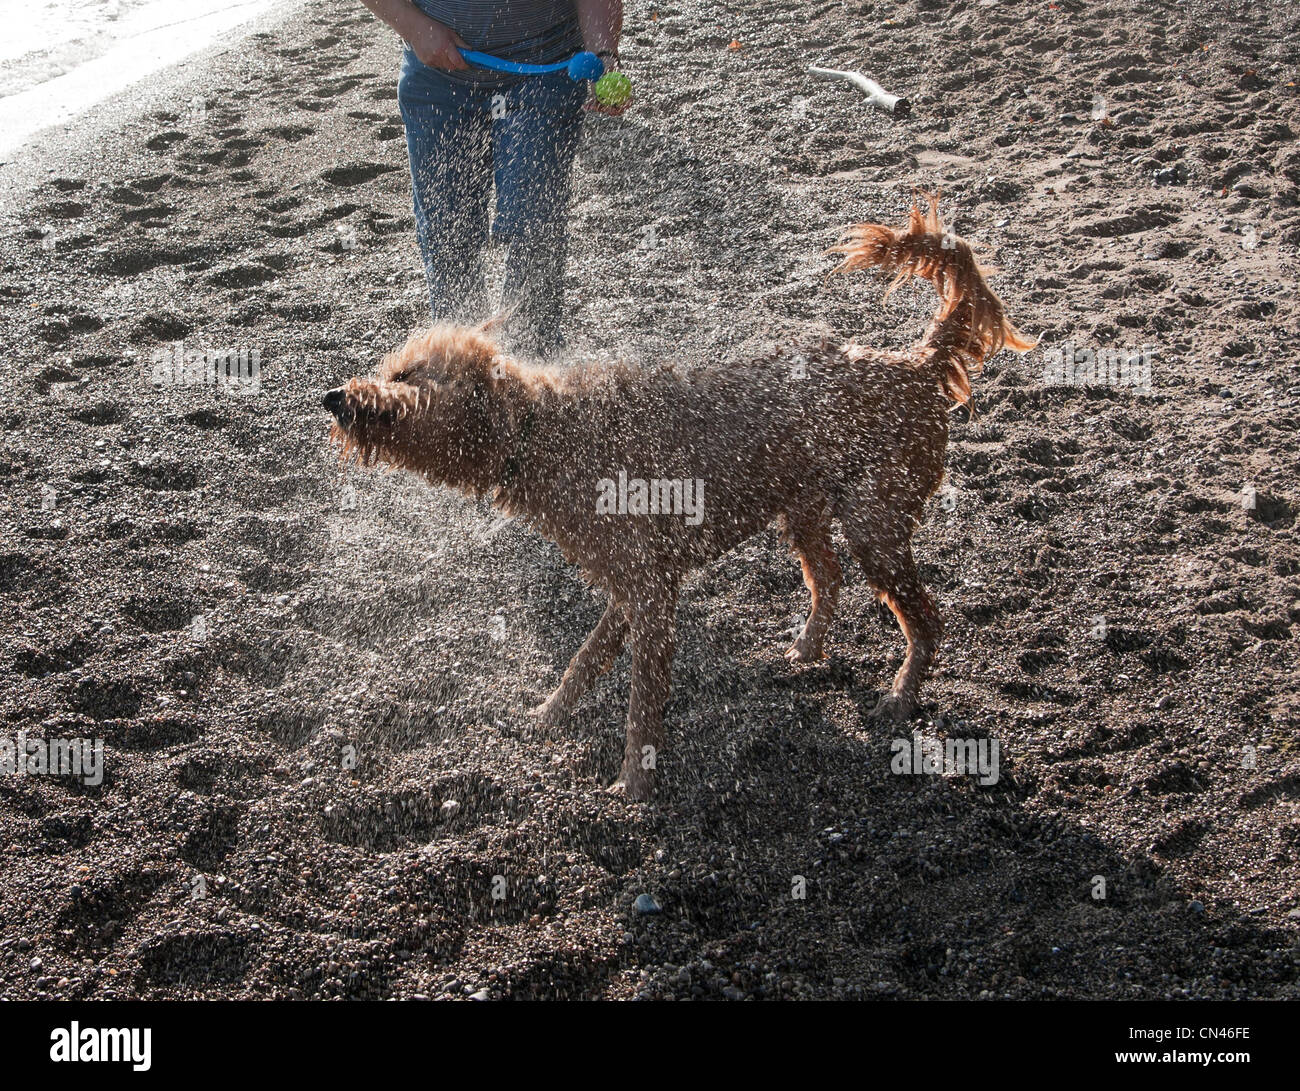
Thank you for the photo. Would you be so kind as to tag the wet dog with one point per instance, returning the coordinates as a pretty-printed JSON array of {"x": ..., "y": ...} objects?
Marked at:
[{"x": 642, "y": 475}]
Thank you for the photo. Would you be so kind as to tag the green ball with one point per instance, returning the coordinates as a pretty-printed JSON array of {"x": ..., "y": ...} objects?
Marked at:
[{"x": 613, "y": 89}]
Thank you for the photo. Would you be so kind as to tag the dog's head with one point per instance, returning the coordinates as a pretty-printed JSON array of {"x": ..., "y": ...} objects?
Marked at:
[{"x": 429, "y": 407}]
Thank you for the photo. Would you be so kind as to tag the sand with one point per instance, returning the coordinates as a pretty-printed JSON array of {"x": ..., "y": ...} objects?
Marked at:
[{"x": 327, "y": 785}]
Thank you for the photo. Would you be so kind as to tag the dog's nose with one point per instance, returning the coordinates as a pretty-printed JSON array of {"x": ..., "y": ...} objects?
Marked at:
[{"x": 336, "y": 401}]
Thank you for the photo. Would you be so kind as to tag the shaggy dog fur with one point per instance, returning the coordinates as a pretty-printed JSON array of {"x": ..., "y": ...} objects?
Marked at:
[{"x": 807, "y": 436}]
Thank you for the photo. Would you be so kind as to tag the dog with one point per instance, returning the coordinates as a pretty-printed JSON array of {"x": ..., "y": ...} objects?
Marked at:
[{"x": 595, "y": 457}]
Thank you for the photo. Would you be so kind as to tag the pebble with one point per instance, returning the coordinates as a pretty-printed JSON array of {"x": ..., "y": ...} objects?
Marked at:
[
  {"x": 482, "y": 994},
  {"x": 1196, "y": 906},
  {"x": 646, "y": 905},
  {"x": 450, "y": 809}
]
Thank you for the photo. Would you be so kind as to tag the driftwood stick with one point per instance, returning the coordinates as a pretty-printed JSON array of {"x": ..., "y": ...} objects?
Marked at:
[{"x": 876, "y": 95}]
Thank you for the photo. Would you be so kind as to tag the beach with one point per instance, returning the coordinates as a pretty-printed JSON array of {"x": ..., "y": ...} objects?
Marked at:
[
  {"x": 311, "y": 683},
  {"x": 62, "y": 59}
]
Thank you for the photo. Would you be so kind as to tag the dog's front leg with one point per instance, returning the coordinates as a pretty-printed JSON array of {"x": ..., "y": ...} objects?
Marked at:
[
  {"x": 596, "y": 656},
  {"x": 652, "y": 660}
]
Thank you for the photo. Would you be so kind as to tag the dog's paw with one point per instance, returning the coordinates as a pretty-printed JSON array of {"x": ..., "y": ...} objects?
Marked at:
[
  {"x": 550, "y": 713},
  {"x": 637, "y": 788},
  {"x": 893, "y": 706},
  {"x": 804, "y": 651}
]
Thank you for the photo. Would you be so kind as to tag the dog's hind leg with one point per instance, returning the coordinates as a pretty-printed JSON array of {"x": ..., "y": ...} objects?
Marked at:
[
  {"x": 594, "y": 658},
  {"x": 809, "y": 536},
  {"x": 652, "y": 621},
  {"x": 884, "y": 550}
]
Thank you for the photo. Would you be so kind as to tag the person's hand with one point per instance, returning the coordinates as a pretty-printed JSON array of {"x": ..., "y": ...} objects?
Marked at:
[{"x": 436, "y": 45}]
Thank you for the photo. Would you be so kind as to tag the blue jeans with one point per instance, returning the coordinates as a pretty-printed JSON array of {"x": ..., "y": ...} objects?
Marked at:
[{"x": 461, "y": 137}]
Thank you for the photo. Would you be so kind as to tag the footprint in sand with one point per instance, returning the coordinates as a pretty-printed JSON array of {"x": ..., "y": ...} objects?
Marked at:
[
  {"x": 337, "y": 212},
  {"x": 151, "y": 183},
  {"x": 341, "y": 85},
  {"x": 161, "y": 326},
  {"x": 61, "y": 323},
  {"x": 291, "y": 229},
  {"x": 165, "y": 141},
  {"x": 382, "y": 223},
  {"x": 124, "y": 195},
  {"x": 355, "y": 174},
  {"x": 1272, "y": 511},
  {"x": 65, "y": 210},
  {"x": 149, "y": 215},
  {"x": 1274, "y": 791},
  {"x": 275, "y": 203},
  {"x": 54, "y": 376},
  {"x": 243, "y": 275},
  {"x": 40, "y": 662},
  {"x": 101, "y": 413},
  {"x": 291, "y": 133},
  {"x": 167, "y": 475},
  {"x": 206, "y": 419},
  {"x": 207, "y": 842}
]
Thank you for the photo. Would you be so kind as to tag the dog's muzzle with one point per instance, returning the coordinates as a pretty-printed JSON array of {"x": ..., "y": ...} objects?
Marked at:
[{"x": 336, "y": 401}]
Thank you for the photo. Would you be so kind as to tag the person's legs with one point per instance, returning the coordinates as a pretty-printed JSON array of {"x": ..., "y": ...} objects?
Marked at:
[
  {"x": 448, "y": 141},
  {"x": 534, "y": 143}
]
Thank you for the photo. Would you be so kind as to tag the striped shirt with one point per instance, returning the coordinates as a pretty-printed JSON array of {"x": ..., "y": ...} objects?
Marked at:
[{"x": 531, "y": 31}]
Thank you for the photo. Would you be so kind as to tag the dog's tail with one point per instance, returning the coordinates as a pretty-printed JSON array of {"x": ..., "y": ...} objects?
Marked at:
[{"x": 970, "y": 324}]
